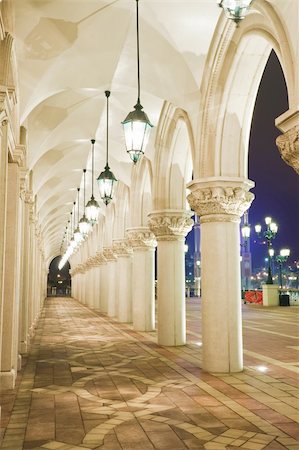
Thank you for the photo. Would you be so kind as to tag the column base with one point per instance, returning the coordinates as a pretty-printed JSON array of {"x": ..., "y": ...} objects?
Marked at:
[
  {"x": 7, "y": 380},
  {"x": 171, "y": 342},
  {"x": 24, "y": 346},
  {"x": 19, "y": 362}
]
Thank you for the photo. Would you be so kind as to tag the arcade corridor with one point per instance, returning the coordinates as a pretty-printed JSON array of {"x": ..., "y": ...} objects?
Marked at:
[{"x": 90, "y": 382}]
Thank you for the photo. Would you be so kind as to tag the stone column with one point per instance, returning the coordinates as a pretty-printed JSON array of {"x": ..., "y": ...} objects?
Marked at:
[
  {"x": 9, "y": 360},
  {"x": 288, "y": 143},
  {"x": 108, "y": 281},
  {"x": 220, "y": 202},
  {"x": 24, "y": 306},
  {"x": 89, "y": 282},
  {"x": 123, "y": 280},
  {"x": 143, "y": 243},
  {"x": 93, "y": 283},
  {"x": 100, "y": 282},
  {"x": 170, "y": 228}
]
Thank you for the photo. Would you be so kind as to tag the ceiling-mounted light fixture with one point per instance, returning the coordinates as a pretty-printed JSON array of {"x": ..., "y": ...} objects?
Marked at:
[
  {"x": 235, "y": 10},
  {"x": 92, "y": 207},
  {"x": 77, "y": 234},
  {"x": 73, "y": 243},
  {"x": 84, "y": 224},
  {"x": 106, "y": 180},
  {"x": 137, "y": 124}
]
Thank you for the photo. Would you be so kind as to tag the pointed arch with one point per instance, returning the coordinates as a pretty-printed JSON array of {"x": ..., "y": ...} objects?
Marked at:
[
  {"x": 122, "y": 207},
  {"x": 141, "y": 193},
  {"x": 233, "y": 71},
  {"x": 174, "y": 157}
]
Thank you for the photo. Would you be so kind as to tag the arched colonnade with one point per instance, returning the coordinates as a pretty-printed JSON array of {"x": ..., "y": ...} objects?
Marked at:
[{"x": 113, "y": 271}]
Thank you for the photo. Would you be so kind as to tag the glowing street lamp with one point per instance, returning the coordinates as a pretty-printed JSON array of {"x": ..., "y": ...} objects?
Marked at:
[{"x": 269, "y": 235}]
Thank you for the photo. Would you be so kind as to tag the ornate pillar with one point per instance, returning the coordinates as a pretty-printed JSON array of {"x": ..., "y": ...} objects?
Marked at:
[
  {"x": 143, "y": 243},
  {"x": 108, "y": 281},
  {"x": 100, "y": 282},
  {"x": 124, "y": 280},
  {"x": 220, "y": 202},
  {"x": 95, "y": 284},
  {"x": 170, "y": 228},
  {"x": 288, "y": 143},
  {"x": 90, "y": 282}
]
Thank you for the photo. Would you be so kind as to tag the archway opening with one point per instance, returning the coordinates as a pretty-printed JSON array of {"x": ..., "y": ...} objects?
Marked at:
[
  {"x": 59, "y": 281},
  {"x": 276, "y": 183}
]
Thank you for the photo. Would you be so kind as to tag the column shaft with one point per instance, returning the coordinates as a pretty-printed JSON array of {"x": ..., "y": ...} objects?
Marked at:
[{"x": 9, "y": 360}]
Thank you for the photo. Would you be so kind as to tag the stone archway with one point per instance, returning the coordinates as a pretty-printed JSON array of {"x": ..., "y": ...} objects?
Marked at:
[
  {"x": 171, "y": 220},
  {"x": 59, "y": 281}
]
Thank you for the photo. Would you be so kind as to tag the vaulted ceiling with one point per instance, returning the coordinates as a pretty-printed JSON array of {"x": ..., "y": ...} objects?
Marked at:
[{"x": 69, "y": 52}]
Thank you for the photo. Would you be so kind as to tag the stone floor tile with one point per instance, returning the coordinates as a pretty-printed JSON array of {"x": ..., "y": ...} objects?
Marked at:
[{"x": 91, "y": 380}]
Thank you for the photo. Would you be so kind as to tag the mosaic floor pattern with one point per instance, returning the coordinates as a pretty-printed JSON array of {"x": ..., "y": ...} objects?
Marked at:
[{"x": 92, "y": 383}]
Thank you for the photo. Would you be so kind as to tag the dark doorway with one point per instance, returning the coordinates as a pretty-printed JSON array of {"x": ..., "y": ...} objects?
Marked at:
[{"x": 59, "y": 281}]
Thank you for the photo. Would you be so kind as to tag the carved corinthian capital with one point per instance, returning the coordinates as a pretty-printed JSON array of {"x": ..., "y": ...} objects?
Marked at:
[
  {"x": 108, "y": 254},
  {"x": 121, "y": 248},
  {"x": 220, "y": 199},
  {"x": 170, "y": 224},
  {"x": 288, "y": 145},
  {"x": 100, "y": 259},
  {"x": 141, "y": 238}
]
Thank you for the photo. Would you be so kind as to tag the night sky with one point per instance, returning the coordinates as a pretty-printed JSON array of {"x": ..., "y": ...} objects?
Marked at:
[{"x": 277, "y": 184}]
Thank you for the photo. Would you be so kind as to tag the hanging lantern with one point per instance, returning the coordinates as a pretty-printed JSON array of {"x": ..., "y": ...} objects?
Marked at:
[
  {"x": 106, "y": 180},
  {"x": 235, "y": 10},
  {"x": 84, "y": 224},
  {"x": 137, "y": 125},
  {"x": 92, "y": 207},
  {"x": 77, "y": 234}
]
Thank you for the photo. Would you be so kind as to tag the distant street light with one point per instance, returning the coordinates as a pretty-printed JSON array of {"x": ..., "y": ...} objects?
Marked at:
[
  {"x": 269, "y": 235},
  {"x": 245, "y": 257},
  {"x": 281, "y": 258}
]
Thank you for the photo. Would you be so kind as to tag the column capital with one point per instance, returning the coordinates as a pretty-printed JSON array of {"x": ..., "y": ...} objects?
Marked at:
[
  {"x": 19, "y": 154},
  {"x": 288, "y": 146},
  {"x": 109, "y": 254},
  {"x": 100, "y": 259},
  {"x": 170, "y": 224},
  {"x": 121, "y": 247},
  {"x": 220, "y": 199},
  {"x": 141, "y": 238}
]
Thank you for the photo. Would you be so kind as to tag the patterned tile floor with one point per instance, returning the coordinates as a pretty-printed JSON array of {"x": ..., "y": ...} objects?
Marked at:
[{"x": 91, "y": 383}]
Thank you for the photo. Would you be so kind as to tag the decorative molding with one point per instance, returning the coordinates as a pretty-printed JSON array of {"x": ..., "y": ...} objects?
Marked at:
[
  {"x": 100, "y": 259},
  {"x": 121, "y": 248},
  {"x": 288, "y": 146},
  {"x": 224, "y": 198},
  {"x": 170, "y": 224},
  {"x": 19, "y": 154},
  {"x": 108, "y": 254},
  {"x": 141, "y": 238},
  {"x": 220, "y": 218}
]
